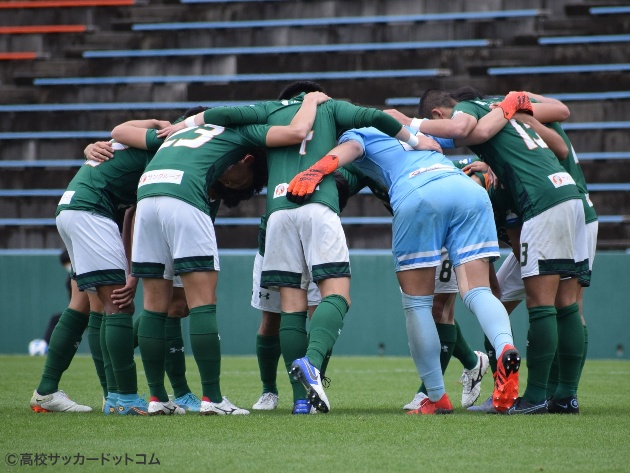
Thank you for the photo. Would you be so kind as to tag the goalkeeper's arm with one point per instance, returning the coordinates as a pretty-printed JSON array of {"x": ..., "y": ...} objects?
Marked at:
[{"x": 303, "y": 185}]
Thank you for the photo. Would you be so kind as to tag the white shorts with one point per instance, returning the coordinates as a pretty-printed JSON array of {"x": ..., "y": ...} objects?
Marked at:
[
  {"x": 510, "y": 281},
  {"x": 95, "y": 248},
  {"x": 555, "y": 242},
  {"x": 445, "y": 279},
  {"x": 303, "y": 244},
  {"x": 172, "y": 237},
  {"x": 269, "y": 299}
]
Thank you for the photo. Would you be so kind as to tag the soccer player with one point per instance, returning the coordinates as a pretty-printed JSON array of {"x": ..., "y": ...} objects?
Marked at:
[
  {"x": 174, "y": 235},
  {"x": 426, "y": 192},
  {"x": 307, "y": 241},
  {"x": 87, "y": 217},
  {"x": 553, "y": 237}
]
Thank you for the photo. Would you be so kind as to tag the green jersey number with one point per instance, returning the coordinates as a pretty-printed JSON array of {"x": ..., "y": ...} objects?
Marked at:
[
  {"x": 524, "y": 255},
  {"x": 532, "y": 139},
  {"x": 205, "y": 134}
]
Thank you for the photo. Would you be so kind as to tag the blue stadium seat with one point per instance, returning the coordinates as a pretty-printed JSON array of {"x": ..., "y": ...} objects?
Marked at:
[
  {"x": 573, "y": 68},
  {"x": 350, "y": 20},
  {"x": 307, "y": 48},
  {"x": 55, "y": 135},
  {"x": 226, "y": 78},
  {"x": 107, "y": 106},
  {"x": 52, "y": 163},
  {"x": 614, "y": 10},
  {"x": 589, "y": 39}
]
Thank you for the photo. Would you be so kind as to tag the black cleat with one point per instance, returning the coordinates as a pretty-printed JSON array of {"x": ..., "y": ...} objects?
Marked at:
[
  {"x": 521, "y": 406},
  {"x": 567, "y": 405}
]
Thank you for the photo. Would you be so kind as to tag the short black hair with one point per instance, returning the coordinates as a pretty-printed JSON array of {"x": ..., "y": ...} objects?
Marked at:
[
  {"x": 466, "y": 93},
  {"x": 195, "y": 110},
  {"x": 298, "y": 87},
  {"x": 434, "y": 98},
  {"x": 232, "y": 197}
]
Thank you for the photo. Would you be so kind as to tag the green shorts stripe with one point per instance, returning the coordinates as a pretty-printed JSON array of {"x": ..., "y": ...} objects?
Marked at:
[
  {"x": 147, "y": 270},
  {"x": 331, "y": 270},
  {"x": 191, "y": 264},
  {"x": 280, "y": 279},
  {"x": 565, "y": 267},
  {"x": 104, "y": 277}
]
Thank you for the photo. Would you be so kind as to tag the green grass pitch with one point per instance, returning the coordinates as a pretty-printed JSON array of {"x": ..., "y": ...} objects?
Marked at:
[{"x": 366, "y": 430}]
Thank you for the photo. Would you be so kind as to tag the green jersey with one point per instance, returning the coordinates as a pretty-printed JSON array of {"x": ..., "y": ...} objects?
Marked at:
[
  {"x": 192, "y": 160},
  {"x": 333, "y": 117},
  {"x": 105, "y": 188},
  {"x": 572, "y": 166},
  {"x": 523, "y": 163}
]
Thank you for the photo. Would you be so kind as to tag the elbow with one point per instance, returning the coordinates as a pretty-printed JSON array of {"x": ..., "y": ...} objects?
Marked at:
[
  {"x": 562, "y": 153},
  {"x": 117, "y": 133}
]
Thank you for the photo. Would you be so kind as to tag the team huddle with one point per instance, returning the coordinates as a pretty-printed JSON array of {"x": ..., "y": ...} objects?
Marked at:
[{"x": 143, "y": 206}]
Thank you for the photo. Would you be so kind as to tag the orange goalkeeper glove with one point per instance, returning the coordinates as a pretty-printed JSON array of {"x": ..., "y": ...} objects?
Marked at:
[
  {"x": 303, "y": 185},
  {"x": 516, "y": 102}
]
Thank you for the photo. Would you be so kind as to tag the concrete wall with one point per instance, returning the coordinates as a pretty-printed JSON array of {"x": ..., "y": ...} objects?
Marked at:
[{"x": 32, "y": 288}]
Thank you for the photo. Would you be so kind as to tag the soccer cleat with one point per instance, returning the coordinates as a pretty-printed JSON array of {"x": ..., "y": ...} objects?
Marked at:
[
  {"x": 416, "y": 402},
  {"x": 109, "y": 407},
  {"x": 521, "y": 406},
  {"x": 303, "y": 371},
  {"x": 168, "y": 408},
  {"x": 567, "y": 405},
  {"x": 506, "y": 379},
  {"x": 267, "y": 402},
  {"x": 471, "y": 380},
  {"x": 303, "y": 406},
  {"x": 441, "y": 406},
  {"x": 486, "y": 407},
  {"x": 189, "y": 402},
  {"x": 134, "y": 407},
  {"x": 56, "y": 402},
  {"x": 223, "y": 408},
  {"x": 515, "y": 102}
]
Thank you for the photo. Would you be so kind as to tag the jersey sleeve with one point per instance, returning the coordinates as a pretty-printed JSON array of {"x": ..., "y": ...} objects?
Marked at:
[
  {"x": 244, "y": 115},
  {"x": 152, "y": 140},
  {"x": 354, "y": 178},
  {"x": 349, "y": 116},
  {"x": 256, "y": 134}
]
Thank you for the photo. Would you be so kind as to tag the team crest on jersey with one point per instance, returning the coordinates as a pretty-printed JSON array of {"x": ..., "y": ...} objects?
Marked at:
[
  {"x": 560, "y": 179},
  {"x": 169, "y": 176},
  {"x": 280, "y": 190},
  {"x": 66, "y": 198}
]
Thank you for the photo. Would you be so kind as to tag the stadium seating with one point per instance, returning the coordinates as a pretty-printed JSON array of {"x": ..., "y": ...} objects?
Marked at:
[{"x": 167, "y": 56}]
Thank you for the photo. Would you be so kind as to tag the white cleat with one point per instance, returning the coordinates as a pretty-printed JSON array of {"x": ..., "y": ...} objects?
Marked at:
[
  {"x": 223, "y": 408},
  {"x": 158, "y": 408},
  {"x": 56, "y": 402},
  {"x": 415, "y": 402},
  {"x": 267, "y": 402},
  {"x": 471, "y": 380}
]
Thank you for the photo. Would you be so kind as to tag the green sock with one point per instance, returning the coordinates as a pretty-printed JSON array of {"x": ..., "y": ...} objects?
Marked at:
[
  {"x": 448, "y": 338},
  {"x": 293, "y": 342},
  {"x": 268, "y": 354},
  {"x": 206, "y": 348},
  {"x": 94, "y": 340},
  {"x": 64, "y": 342},
  {"x": 153, "y": 349},
  {"x": 325, "y": 327},
  {"x": 119, "y": 338},
  {"x": 492, "y": 356},
  {"x": 136, "y": 324},
  {"x": 112, "y": 387},
  {"x": 552, "y": 382},
  {"x": 585, "y": 352},
  {"x": 542, "y": 342},
  {"x": 175, "y": 357},
  {"x": 570, "y": 350},
  {"x": 462, "y": 350}
]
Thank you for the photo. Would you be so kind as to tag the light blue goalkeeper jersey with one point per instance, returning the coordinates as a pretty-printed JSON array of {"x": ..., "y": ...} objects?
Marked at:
[{"x": 395, "y": 165}]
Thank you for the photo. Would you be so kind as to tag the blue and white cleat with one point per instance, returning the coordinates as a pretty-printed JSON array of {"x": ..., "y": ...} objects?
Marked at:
[
  {"x": 109, "y": 406},
  {"x": 303, "y": 371},
  {"x": 134, "y": 407},
  {"x": 189, "y": 402},
  {"x": 303, "y": 406}
]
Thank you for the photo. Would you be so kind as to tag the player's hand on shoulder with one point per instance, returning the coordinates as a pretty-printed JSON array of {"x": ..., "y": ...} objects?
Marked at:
[
  {"x": 318, "y": 97},
  {"x": 99, "y": 151},
  {"x": 399, "y": 116},
  {"x": 170, "y": 129},
  {"x": 476, "y": 166},
  {"x": 426, "y": 143}
]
